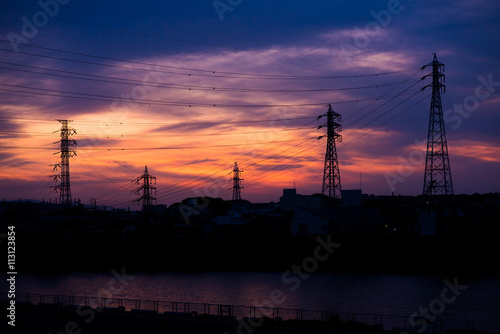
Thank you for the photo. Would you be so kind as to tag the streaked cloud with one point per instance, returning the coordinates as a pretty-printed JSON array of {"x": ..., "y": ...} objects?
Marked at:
[{"x": 156, "y": 108}]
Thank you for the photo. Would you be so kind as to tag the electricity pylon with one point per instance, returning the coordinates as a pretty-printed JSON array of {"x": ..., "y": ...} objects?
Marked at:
[
  {"x": 236, "y": 183},
  {"x": 147, "y": 190},
  {"x": 66, "y": 152},
  {"x": 331, "y": 172},
  {"x": 437, "y": 180}
]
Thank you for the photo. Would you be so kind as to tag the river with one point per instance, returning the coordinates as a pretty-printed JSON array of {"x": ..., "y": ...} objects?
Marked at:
[{"x": 477, "y": 298}]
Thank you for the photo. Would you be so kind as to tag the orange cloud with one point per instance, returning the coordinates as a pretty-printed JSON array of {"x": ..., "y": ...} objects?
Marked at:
[{"x": 476, "y": 150}]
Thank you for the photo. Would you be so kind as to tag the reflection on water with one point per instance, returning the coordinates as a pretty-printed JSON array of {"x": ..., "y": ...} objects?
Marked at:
[{"x": 387, "y": 294}]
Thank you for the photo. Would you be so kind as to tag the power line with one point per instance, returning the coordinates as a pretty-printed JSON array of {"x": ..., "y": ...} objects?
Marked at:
[
  {"x": 244, "y": 158},
  {"x": 108, "y": 79},
  {"x": 125, "y": 136},
  {"x": 306, "y": 146},
  {"x": 303, "y": 143},
  {"x": 213, "y": 73},
  {"x": 121, "y": 30},
  {"x": 216, "y": 173},
  {"x": 386, "y": 101},
  {"x": 99, "y": 97},
  {"x": 139, "y": 148},
  {"x": 387, "y": 121},
  {"x": 25, "y": 120},
  {"x": 359, "y": 119}
]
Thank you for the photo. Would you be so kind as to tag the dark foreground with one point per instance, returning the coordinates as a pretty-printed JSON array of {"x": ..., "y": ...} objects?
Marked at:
[{"x": 396, "y": 255}]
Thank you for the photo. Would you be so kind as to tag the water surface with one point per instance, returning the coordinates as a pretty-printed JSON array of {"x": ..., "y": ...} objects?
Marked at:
[{"x": 370, "y": 293}]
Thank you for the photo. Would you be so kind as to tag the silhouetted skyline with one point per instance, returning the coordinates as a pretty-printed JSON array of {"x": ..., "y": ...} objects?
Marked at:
[{"x": 247, "y": 84}]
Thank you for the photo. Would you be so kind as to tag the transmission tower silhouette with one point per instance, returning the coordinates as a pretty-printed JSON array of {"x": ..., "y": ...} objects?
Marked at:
[
  {"x": 66, "y": 152},
  {"x": 147, "y": 190},
  {"x": 437, "y": 181},
  {"x": 236, "y": 183},
  {"x": 331, "y": 173}
]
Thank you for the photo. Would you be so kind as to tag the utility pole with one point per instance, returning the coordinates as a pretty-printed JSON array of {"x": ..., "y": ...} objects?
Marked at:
[
  {"x": 437, "y": 180},
  {"x": 66, "y": 152},
  {"x": 147, "y": 189},
  {"x": 331, "y": 173}
]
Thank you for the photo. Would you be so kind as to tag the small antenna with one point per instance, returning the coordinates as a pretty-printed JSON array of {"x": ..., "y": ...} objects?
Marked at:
[{"x": 360, "y": 184}]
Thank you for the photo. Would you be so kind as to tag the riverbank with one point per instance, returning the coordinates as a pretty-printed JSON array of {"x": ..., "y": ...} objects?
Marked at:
[
  {"x": 72, "y": 319},
  {"x": 58, "y": 319}
]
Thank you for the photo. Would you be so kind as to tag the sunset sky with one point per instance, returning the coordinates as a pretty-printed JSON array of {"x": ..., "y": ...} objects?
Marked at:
[{"x": 189, "y": 87}]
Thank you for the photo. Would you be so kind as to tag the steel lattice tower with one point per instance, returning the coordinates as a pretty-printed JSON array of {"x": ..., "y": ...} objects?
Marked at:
[
  {"x": 331, "y": 173},
  {"x": 437, "y": 180},
  {"x": 66, "y": 152},
  {"x": 236, "y": 183},
  {"x": 147, "y": 189}
]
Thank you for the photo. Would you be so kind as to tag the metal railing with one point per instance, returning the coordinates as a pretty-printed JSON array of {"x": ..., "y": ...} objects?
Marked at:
[{"x": 224, "y": 311}]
